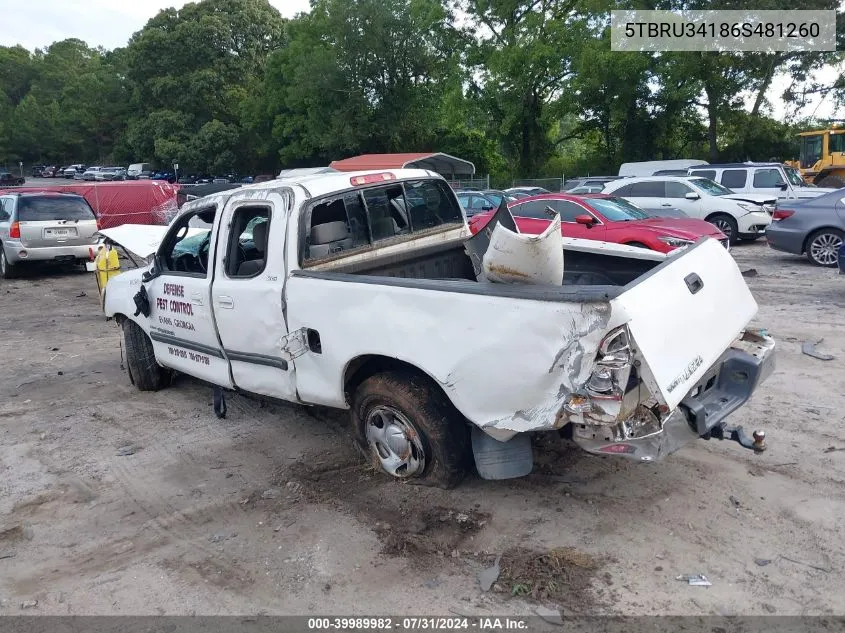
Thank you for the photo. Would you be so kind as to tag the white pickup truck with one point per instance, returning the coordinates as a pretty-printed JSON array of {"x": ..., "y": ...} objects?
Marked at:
[{"x": 363, "y": 291}]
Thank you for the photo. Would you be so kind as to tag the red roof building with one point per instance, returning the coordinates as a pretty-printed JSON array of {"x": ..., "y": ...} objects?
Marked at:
[{"x": 443, "y": 164}]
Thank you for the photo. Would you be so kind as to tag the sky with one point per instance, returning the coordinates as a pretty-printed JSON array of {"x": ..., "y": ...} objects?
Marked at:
[{"x": 110, "y": 24}]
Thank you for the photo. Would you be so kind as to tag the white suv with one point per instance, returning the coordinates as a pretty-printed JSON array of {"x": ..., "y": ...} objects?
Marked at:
[{"x": 740, "y": 216}]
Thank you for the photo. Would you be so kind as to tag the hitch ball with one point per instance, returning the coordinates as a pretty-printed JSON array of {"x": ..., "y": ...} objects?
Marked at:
[{"x": 759, "y": 441}]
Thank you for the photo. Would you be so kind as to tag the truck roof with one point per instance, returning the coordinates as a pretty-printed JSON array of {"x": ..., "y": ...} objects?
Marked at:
[
  {"x": 736, "y": 165},
  {"x": 315, "y": 185}
]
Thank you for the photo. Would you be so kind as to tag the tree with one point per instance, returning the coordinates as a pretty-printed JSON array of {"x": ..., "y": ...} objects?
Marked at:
[{"x": 195, "y": 66}]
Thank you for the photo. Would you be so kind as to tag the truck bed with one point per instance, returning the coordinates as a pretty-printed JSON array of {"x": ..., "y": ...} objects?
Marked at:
[{"x": 451, "y": 261}]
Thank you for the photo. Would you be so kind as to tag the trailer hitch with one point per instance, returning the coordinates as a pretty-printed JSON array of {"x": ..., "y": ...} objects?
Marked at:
[{"x": 757, "y": 441}]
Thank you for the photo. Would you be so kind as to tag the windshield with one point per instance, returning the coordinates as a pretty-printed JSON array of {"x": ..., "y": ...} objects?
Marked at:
[
  {"x": 794, "y": 177},
  {"x": 54, "y": 208},
  {"x": 617, "y": 209},
  {"x": 710, "y": 187}
]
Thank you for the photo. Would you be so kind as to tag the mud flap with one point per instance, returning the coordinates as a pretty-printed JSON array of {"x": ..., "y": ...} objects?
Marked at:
[{"x": 219, "y": 401}]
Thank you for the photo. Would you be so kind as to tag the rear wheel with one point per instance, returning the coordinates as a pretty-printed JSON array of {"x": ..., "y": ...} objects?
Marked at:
[
  {"x": 7, "y": 269},
  {"x": 144, "y": 372},
  {"x": 408, "y": 429},
  {"x": 834, "y": 182},
  {"x": 823, "y": 247},
  {"x": 727, "y": 225}
]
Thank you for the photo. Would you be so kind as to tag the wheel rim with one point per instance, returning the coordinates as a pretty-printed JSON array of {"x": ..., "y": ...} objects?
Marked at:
[
  {"x": 395, "y": 442},
  {"x": 825, "y": 248},
  {"x": 724, "y": 226}
]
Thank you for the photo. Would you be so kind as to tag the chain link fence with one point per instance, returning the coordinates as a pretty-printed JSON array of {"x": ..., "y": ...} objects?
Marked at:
[
  {"x": 472, "y": 183},
  {"x": 552, "y": 184}
]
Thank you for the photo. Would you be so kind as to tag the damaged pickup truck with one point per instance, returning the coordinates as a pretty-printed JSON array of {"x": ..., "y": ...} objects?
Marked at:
[{"x": 365, "y": 291}]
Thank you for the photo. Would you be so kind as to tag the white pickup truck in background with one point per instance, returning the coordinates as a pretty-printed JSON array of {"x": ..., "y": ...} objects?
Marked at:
[{"x": 363, "y": 291}]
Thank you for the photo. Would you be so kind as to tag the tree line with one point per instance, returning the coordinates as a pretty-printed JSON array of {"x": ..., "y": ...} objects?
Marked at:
[{"x": 523, "y": 88}]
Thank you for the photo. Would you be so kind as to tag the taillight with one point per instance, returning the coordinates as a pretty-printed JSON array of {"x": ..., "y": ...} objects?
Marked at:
[
  {"x": 15, "y": 230},
  {"x": 782, "y": 214},
  {"x": 364, "y": 180}
]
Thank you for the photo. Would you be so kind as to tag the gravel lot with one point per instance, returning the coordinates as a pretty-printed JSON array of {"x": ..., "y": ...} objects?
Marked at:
[{"x": 119, "y": 502}]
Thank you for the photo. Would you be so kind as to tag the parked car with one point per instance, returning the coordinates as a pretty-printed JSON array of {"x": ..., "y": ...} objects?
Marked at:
[
  {"x": 592, "y": 182},
  {"x": 74, "y": 171},
  {"x": 605, "y": 218},
  {"x": 475, "y": 202},
  {"x": 651, "y": 167},
  {"x": 135, "y": 169},
  {"x": 530, "y": 191},
  {"x": 111, "y": 173},
  {"x": 144, "y": 175},
  {"x": 774, "y": 179},
  {"x": 814, "y": 227},
  {"x": 44, "y": 226},
  {"x": 613, "y": 349},
  {"x": 737, "y": 215},
  {"x": 37, "y": 171},
  {"x": 169, "y": 176},
  {"x": 8, "y": 179},
  {"x": 50, "y": 171},
  {"x": 91, "y": 173}
]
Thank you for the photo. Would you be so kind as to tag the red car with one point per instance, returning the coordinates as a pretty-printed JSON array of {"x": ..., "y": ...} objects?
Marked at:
[{"x": 599, "y": 216}]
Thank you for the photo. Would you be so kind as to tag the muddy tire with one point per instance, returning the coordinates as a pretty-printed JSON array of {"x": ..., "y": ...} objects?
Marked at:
[
  {"x": 7, "y": 270},
  {"x": 407, "y": 428},
  {"x": 834, "y": 182},
  {"x": 144, "y": 372},
  {"x": 727, "y": 225}
]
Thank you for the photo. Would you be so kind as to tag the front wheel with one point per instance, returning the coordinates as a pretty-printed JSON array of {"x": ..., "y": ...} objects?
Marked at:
[
  {"x": 144, "y": 372},
  {"x": 823, "y": 247},
  {"x": 408, "y": 429},
  {"x": 727, "y": 225}
]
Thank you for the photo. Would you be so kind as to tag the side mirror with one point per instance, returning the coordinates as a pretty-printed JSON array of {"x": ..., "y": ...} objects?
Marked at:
[
  {"x": 586, "y": 220},
  {"x": 153, "y": 272},
  {"x": 692, "y": 196},
  {"x": 783, "y": 186}
]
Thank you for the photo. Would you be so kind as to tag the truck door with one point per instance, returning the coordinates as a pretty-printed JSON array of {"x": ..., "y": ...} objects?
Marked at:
[
  {"x": 770, "y": 180},
  {"x": 181, "y": 323},
  {"x": 247, "y": 295}
]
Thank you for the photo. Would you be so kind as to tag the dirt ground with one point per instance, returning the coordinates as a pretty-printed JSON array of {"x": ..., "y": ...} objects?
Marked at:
[{"x": 119, "y": 502}]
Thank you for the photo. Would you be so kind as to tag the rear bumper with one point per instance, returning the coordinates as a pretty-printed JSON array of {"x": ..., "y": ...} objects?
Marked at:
[
  {"x": 787, "y": 240},
  {"x": 14, "y": 252},
  {"x": 726, "y": 387}
]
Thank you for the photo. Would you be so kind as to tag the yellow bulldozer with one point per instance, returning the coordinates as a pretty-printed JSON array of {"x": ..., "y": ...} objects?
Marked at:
[{"x": 822, "y": 157}]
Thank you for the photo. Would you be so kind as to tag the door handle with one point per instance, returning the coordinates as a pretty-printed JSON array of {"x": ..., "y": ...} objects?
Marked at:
[
  {"x": 196, "y": 298},
  {"x": 665, "y": 204},
  {"x": 225, "y": 302}
]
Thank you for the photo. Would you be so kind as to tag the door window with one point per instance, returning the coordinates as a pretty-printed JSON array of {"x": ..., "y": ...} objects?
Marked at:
[
  {"x": 734, "y": 178},
  {"x": 705, "y": 173},
  {"x": 568, "y": 210},
  {"x": 767, "y": 178},
  {"x": 648, "y": 189},
  {"x": 184, "y": 250},
  {"x": 535, "y": 209},
  {"x": 246, "y": 253},
  {"x": 677, "y": 189}
]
